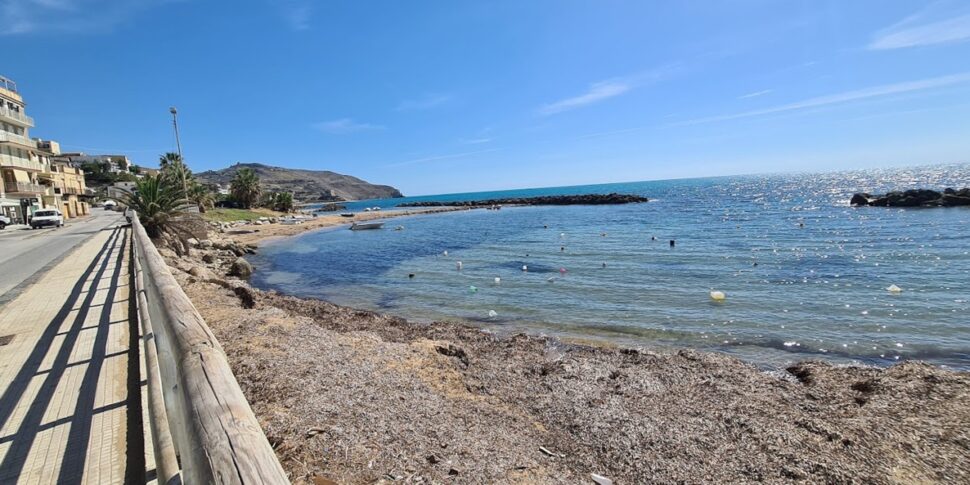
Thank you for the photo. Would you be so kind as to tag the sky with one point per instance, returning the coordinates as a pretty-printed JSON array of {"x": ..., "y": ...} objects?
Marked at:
[{"x": 448, "y": 96}]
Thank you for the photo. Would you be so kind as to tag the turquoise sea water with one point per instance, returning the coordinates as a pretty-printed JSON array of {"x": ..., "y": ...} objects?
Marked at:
[{"x": 805, "y": 274}]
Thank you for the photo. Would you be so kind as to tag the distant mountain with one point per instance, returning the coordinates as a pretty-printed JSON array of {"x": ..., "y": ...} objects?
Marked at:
[{"x": 306, "y": 185}]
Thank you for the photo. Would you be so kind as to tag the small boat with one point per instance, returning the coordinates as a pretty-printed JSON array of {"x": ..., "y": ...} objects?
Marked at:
[
  {"x": 360, "y": 226},
  {"x": 376, "y": 209},
  {"x": 346, "y": 214}
]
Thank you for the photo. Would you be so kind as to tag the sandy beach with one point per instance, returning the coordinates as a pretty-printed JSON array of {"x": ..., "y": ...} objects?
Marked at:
[
  {"x": 352, "y": 396},
  {"x": 253, "y": 234}
]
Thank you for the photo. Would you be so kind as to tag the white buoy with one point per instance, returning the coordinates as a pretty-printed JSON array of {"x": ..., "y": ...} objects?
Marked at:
[
  {"x": 718, "y": 295},
  {"x": 551, "y": 279},
  {"x": 492, "y": 314},
  {"x": 445, "y": 253},
  {"x": 498, "y": 281},
  {"x": 459, "y": 266},
  {"x": 894, "y": 289},
  {"x": 562, "y": 234},
  {"x": 525, "y": 268}
]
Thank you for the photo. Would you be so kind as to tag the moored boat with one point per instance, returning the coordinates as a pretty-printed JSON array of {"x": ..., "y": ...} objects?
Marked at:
[{"x": 360, "y": 226}]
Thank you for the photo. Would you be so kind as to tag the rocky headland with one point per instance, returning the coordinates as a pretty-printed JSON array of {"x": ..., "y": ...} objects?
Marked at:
[
  {"x": 354, "y": 396},
  {"x": 914, "y": 198},
  {"x": 588, "y": 199}
]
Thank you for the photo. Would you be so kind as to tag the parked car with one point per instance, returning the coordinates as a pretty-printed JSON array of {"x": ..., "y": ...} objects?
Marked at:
[
  {"x": 4, "y": 221},
  {"x": 110, "y": 205},
  {"x": 47, "y": 217}
]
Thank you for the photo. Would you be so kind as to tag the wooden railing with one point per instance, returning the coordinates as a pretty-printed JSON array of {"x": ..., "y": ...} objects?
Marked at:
[{"x": 196, "y": 409}]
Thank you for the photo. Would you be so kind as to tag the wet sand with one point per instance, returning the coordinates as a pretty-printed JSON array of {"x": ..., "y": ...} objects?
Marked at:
[{"x": 354, "y": 396}]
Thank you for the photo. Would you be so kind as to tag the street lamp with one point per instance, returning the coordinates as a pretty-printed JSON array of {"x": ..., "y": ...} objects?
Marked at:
[{"x": 178, "y": 145}]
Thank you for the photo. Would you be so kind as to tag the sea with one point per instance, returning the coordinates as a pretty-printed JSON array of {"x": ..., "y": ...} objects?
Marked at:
[{"x": 803, "y": 274}]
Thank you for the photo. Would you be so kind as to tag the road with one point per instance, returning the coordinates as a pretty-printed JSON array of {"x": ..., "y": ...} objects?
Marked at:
[{"x": 26, "y": 254}]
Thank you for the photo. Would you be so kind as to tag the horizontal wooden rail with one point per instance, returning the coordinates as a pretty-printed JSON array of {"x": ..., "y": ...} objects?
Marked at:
[{"x": 216, "y": 434}]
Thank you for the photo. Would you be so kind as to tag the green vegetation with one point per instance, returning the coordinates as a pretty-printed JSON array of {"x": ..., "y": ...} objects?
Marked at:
[
  {"x": 156, "y": 202},
  {"x": 220, "y": 214},
  {"x": 99, "y": 173},
  {"x": 245, "y": 188}
]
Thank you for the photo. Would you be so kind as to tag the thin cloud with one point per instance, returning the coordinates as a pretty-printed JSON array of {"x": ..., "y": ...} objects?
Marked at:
[
  {"x": 427, "y": 101},
  {"x": 437, "y": 158},
  {"x": 297, "y": 16},
  {"x": 344, "y": 126},
  {"x": 914, "y": 31},
  {"x": 24, "y": 17},
  {"x": 610, "y": 88},
  {"x": 846, "y": 97},
  {"x": 597, "y": 92},
  {"x": 755, "y": 94},
  {"x": 476, "y": 141}
]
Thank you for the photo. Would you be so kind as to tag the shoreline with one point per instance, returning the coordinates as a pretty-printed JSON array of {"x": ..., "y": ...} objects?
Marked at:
[
  {"x": 360, "y": 397},
  {"x": 271, "y": 232}
]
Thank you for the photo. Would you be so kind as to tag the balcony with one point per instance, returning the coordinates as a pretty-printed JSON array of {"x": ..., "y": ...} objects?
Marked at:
[
  {"x": 25, "y": 188},
  {"x": 17, "y": 117},
  {"x": 8, "y": 161},
  {"x": 6, "y": 136}
]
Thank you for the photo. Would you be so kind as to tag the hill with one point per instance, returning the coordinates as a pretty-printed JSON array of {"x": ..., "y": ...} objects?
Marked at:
[{"x": 306, "y": 185}]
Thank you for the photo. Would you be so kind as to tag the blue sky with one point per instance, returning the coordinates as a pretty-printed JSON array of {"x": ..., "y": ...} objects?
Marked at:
[{"x": 436, "y": 97}]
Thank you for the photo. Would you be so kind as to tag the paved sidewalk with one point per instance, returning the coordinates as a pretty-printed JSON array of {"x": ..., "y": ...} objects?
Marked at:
[{"x": 63, "y": 374}]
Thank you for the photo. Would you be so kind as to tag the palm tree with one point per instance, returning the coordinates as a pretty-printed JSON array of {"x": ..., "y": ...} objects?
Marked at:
[
  {"x": 201, "y": 197},
  {"x": 245, "y": 188},
  {"x": 156, "y": 203},
  {"x": 168, "y": 158},
  {"x": 283, "y": 202}
]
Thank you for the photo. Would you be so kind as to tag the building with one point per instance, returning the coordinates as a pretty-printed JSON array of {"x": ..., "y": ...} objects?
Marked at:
[
  {"x": 32, "y": 178},
  {"x": 21, "y": 163},
  {"x": 120, "y": 189},
  {"x": 112, "y": 163}
]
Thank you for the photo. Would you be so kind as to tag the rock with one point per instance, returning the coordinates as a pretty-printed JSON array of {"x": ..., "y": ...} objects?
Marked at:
[
  {"x": 273, "y": 220},
  {"x": 600, "y": 479},
  {"x": 201, "y": 273},
  {"x": 205, "y": 244},
  {"x": 209, "y": 258},
  {"x": 860, "y": 199},
  {"x": 241, "y": 268},
  {"x": 915, "y": 198},
  {"x": 192, "y": 241},
  {"x": 258, "y": 223}
]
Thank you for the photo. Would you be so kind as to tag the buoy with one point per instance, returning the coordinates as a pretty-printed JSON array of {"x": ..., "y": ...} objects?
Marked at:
[
  {"x": 445, "y": 253},
  {"x": 894, "y": 289},
  {"x": 492, "y": 314},
  {"x": 459, "y": 266},
  {"x": 653, "y": 238},
  {"x": 718, "y": 295},
  {"x": 562, "y": 234},
  {"x": 545, "y": 226},
  {"x": 603, "y": 234},
  {"x": 672, "y": 243},
  {"x": 562, "y": 249},
  {"x": 551, "y": 279},
  {"x": 562, "y": 271},
  {"x": 472, "y": 289},
  {"x": 604, "y": 265},
  {"x": 525, "y": 268},
  {"x": 410, "y": 275},
  {"x": 498, "y": 281}
]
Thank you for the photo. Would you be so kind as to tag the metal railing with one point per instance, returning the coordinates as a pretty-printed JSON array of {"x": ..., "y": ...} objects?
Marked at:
[
  {"x": 16, "y": 115},
  {"x": 197, "y": 411},
  {"x": 24, "y": 187},
  {"x": 15, "y": 138}
]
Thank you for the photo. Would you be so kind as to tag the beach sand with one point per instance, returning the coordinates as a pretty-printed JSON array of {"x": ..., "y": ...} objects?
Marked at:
[{"x": 354, "y": 396}]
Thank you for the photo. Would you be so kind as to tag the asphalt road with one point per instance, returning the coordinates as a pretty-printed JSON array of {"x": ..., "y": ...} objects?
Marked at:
[{"x": 25, "y": 253}]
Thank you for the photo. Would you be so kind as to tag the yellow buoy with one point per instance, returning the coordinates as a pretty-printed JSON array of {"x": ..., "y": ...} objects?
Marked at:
[
  {"x": 894, "y": 289},
  {"x": 718, "y": 295}
]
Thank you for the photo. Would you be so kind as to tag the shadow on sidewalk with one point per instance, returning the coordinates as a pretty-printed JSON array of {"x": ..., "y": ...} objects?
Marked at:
[{"x": 77, "y": 439}]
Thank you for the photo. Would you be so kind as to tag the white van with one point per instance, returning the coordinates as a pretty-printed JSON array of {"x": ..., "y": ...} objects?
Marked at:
[{"x": 47, "y": 217}]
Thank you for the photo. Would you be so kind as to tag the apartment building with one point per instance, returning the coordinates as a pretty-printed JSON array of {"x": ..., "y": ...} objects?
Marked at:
[
  {"x": 21, "y": 163},
  {"x": 31, "y": 177}
]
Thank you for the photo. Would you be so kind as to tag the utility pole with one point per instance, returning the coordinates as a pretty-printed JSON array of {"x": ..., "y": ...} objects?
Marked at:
[{"x": 178, "y": 145}]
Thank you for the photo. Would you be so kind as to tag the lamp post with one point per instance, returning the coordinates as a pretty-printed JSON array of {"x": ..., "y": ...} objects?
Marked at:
[{"x": 178, "y": 145}]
